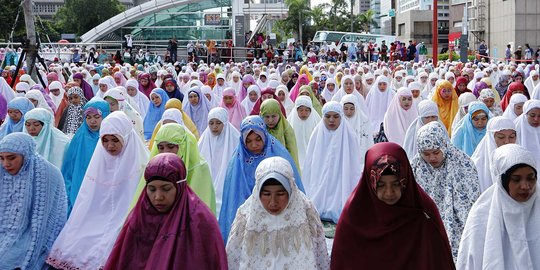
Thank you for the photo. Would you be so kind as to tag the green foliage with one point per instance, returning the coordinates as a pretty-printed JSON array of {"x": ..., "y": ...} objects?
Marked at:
[
  {"x": 8, "y": 13},
  {"x": 334, "y": 16},
  {"x": 79, "y": 16}
]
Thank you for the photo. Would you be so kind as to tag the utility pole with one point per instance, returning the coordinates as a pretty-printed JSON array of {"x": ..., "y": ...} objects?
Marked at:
[
  {"x": 31, "y": 43},
  {"x": 435, "y": 33}
]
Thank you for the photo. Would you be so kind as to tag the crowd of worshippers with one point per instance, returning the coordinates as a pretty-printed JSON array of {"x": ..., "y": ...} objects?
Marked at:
[{"x": 292, "y": 166}]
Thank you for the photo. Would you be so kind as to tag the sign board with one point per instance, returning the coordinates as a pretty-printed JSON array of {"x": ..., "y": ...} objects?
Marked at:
[
  {"x": 272, "y": 35},
  {"x": 68, "y": 36},
  {"x": 239, "y": 31},
  {"x": 212, "y": 19},
  {"x": 392, "y": 13}
]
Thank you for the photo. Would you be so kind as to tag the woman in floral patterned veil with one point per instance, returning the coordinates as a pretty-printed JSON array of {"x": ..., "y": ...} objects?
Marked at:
[{"x": 278, "y": 211}]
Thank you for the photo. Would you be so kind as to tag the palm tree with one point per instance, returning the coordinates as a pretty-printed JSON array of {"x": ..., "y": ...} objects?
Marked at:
[
  {"x": 299, "y": 14},
  {"x": 366, "y": 20}
]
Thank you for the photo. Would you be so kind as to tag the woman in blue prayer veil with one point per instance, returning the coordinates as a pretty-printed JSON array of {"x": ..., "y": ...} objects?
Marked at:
[
  {"x": 15, "y": 120},
  {"x": 473, "y": 128},
  {"x": 158, "y": 99},
  {"x": 82, "y": 147},
  {"x": 256, "y": 144},
  {"x": 32, "y": 204}
]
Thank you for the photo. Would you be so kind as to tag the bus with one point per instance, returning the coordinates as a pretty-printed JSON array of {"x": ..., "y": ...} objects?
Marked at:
[{"x": 334, "y": 38}]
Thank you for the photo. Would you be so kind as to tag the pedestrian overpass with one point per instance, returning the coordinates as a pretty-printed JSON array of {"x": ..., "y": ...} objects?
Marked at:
[{"x": 156, "y": 21}]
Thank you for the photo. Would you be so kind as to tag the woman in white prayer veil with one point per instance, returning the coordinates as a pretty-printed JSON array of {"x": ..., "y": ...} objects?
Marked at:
[
  {"x": 368, "y": 81},
  {"x": 286, "y": 235},
  {"x": 515, "y": 108},
  {"x": 463, "y": 101},
  {"x": 535, "y": 93},
  {"x": 430, "y": 86},
  {"x": 217, "y": 145},
  {"x": 333, "y": 163},
  {"x": 399, "y": 116},
  {"x": 283, "y": 94},
  {"x": 303, "y": 119},
  {"x": 532, "y": 81},
  {"x": 502, "y": 228},
  {"x": 427, "y": 112},
  {"x": 358, "y": 121},
  {"x": 236, "y": 83},
  {"x": 140, "y": 99},
  {"x": 103, "y": 201},
  {"x": 347, "y": 88},
  {"x": 377, "y": 101},
  {"x": 528, "y": 127},
  {"x": 500, "y": 131},
  {"x": 253, "y": 94},
  {"x": 329, "y": 91}
]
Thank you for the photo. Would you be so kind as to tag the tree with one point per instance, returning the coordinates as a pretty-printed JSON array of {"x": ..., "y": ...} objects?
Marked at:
[
  {"x": 9, "y": 12},
  {"x": 80, "y": 16},
  {"x": 366, "y": 19},
  {"x": 299, "y": 16}
]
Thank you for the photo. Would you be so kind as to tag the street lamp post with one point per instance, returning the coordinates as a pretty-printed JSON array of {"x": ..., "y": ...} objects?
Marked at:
[{"x": 435, "y": 32}]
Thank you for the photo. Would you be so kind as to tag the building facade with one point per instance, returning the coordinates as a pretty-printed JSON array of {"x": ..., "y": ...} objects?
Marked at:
[{"x": 46, "y": 9}]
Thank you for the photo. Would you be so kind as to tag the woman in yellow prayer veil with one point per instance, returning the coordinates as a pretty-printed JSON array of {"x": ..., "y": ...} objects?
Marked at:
[
  {"x": 447, "y": 101},
  {"x": 174, "y": 103}
]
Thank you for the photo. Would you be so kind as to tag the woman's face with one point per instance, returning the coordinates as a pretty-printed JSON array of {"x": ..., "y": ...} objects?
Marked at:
[
  {"x": 253, "y": 96},
  {"x": 254, "y": 143},
  {"x": 93, "y": 120},
  {"x": 405, "y": 102},
  {"x": 348, "y": 86},
  {"x": 489, "y": 102},
  {"x": 74, "y": 99},
  {"x": 505, "y": 136},
  {"x": 462, "y": 87},
  {"x": 332, "y": 120},
  {"x": 216, "y": 126},
  {"x": 211, "y": 80},
  {"x": 112, "y": 144},
  {"x": 451, "y": 80},
  {"x": 35, "y": 102},
  {"x": 144, "y": 81},
  {"x": 167, "y": 147},
  {"x": 271, "y": 120},
  {"x": 518, "y": 108},
  {"x": 12, "y": 162},
  {"x": 480, "y": 121},
  {"x": 435, "y": 157},
  {"x": 169, "y": 88},
  {"x": 15, "y": 115},
  {"x": 117, "y": 80},
  {"x": 113, "y": 104},
  {"x": 55, "y": 92},
  {"x": 382, "y": 86},
  {"x": 33, "y": 127},
  {"x": 446, "y": 93},
  {"x": 348, "y": 110},
  {"x": 78, "y": 81},
  {"x": 357, "y": 83},
  {"x": 389, "y": 189},
  {"x": 102, "y": 87},
  {"x": 156, "y": 99},
  {"x": 266, "y": 96},
  {"x": 281, "y": 96},
  {"x": 162, "y": 194},
  {"x": 303, "y": 112},
  {"x": 430, "y": 118},
  {"x": 228, "y": 100},
  {"x": 533, "y": 117},
  {"x": 274, "y": 198},
  {"x": 132, "y": 91},
  {"x": 522, "y": 184},
  {"x": 330, "y": 87}
]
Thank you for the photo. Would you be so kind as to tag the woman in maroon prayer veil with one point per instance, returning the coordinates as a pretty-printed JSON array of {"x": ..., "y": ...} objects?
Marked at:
[
  {"x": 265, "y": 94},
  {"x": 170, "y": 227},
  {"x": 389, "y": 222}
]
